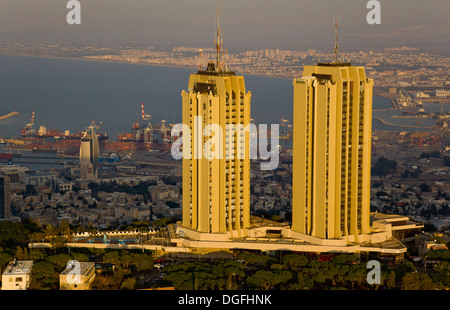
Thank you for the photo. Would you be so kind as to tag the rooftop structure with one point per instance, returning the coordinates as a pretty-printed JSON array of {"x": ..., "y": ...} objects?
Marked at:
[
  {"x": 17, "y": 275},
  {"x": 77, "y": 276}
]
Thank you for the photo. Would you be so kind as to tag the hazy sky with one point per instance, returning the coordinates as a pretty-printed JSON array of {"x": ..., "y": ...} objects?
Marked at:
[{"x": 249, "y": 24}]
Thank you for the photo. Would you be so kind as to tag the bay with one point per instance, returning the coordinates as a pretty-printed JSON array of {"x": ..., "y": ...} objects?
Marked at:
[{"x": 68, "y": 94}]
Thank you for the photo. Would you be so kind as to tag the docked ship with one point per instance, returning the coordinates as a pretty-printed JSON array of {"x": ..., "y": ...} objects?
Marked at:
[
  {"x": 53, "y": 140},
  {"x": 146, "y": 136},
  {"x": 143, "y": 136}
]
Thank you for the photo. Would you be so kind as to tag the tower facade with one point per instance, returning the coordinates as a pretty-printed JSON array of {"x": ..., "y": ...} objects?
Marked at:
[
  {"x": 5, "y": 197},
  {"x": 332, "y": 151},
  {"x": 216, "y": 189},
  {"x": 89, "y": 155}
]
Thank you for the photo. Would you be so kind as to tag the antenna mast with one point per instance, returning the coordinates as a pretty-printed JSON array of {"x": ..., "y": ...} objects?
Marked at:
[
  {"x": 218, "y": 42},
  {"x": 336, "y": 45}
]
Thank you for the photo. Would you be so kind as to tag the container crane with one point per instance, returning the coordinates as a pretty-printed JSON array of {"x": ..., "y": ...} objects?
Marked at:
[
  {"x": 28, "y": 131},
  {"x": 148, "y": 131}
]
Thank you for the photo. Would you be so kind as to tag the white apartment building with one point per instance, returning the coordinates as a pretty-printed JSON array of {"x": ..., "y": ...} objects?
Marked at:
[{"x": 17, "y": 275}]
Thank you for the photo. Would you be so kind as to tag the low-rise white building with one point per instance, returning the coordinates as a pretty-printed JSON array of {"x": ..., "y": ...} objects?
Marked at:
[
  {"x": 17, "y": 275},
  {"x": 77, "y": 276}
]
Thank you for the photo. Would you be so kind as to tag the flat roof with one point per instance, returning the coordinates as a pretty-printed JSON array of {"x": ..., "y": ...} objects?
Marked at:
[
  {"x": 20, "y": 267},
  {"x": 84, "y": 267},
  {"x": 334, "y": 64}
]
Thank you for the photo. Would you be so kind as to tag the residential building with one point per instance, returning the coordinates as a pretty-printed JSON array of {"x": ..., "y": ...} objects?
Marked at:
[
  {"x": 41, "y": 178},
  {"x": 77, "y": 276},
  {"x": 62, "y": 185},
  {"x": 17, "y": 275},
  {"x": 5, "y": 197}
]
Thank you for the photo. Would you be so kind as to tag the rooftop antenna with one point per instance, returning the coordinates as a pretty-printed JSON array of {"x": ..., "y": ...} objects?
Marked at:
[
  {"x": 200, "y": 59},
  {"x": 226, "y": 62},
  {"x": 336, "y": 45},
  {"x": 218, "y": 42}
]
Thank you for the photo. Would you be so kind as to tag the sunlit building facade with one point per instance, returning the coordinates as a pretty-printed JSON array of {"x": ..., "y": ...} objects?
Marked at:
[
  {"x": 89, "y": 155},
  {"x": 216, "y": 188},
  {"x": 332, "y": 152}
]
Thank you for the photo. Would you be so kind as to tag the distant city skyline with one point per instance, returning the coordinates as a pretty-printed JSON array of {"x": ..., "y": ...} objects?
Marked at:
[{"x": 256, "y": 24}]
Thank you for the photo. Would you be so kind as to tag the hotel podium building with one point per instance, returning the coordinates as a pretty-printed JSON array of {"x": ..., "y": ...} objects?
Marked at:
[
  {"x": 216, "y": 189},
  {"x": 331, "y": 170},
  {"x": 332, "y": 152},
  {"x": 332, "y": 114}
]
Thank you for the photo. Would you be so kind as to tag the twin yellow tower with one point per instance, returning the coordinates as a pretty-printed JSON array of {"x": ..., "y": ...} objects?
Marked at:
[
  {"x": 332, "y": 151},
  {"x": 332, "y": 113},
  {"x": 216, "y": 190}
]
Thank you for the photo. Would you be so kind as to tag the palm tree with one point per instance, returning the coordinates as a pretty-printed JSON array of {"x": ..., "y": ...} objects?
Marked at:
[
  {"x": 50, "y": 232},
  {"x": 66, "y": 230},
  {"x": 57, "y": 242}
]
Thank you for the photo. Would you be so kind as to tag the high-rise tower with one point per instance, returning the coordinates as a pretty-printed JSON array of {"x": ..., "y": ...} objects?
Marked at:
[
  {"x": 5, "y": 197},
  {"x": 216, "y": 190},
  {"x": 89, "y": 154},
  {"x": 332, "y": 151}
]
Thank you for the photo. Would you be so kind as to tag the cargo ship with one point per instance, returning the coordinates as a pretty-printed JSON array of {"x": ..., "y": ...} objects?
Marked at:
[
  {"x": 145, "y": 136},
  {"x": 43, "y": 133}
]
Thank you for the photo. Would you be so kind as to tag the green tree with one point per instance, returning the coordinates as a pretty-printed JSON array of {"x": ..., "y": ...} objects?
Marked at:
[
  {"x": 128, "y": 284},
  {"x": 251, "y": 258},
  {"x": 293, "y": 261},
  {"x": 441, "y": 274},
  {"x": 417, "y": 281},
  {"x": 112, "y": 258},
  {"x": 265, "y": 279},
  {"x": 230, "y": 270},
  {"x": 37, "y": 236},
  {"x": 59, "y": 260},
  {"x": 403, "y": 269},
  {"x": 390, "y": 282},
  {"x": 304, "y": 283},
  {"x": 50, "y": 232},
  {"x": 357, "y": 274},
  {"x": 57, "y": 243},
  {"x": 12, "y": 234},
  {"x": 343, "y": 259},
  {"x": 65, "y": 230},
  {"x": 4, "y": 260},
  {"x": 341, "y": 273},
  {"x": 36, "y": 255},
  {"x": 181, "y": 280},
  {"x": 44, "y": 276},
  {"x": 384, "y": 166},
  {"x": 80, "y": 257},
  {"x": 142, "y": 261},
  {"x": 19, "y": 253}
]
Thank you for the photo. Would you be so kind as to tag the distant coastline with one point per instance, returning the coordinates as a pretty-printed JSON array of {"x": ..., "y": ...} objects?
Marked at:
[
  {"x": 83, "y": 58},
  {"x": 9, "y": 115}
]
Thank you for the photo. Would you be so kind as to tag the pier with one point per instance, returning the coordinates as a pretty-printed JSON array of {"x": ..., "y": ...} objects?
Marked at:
[
  {"x": 387, "y": 109},
  {"x": 397, "y": 125},
  {"x": 9, "y": 115}
]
